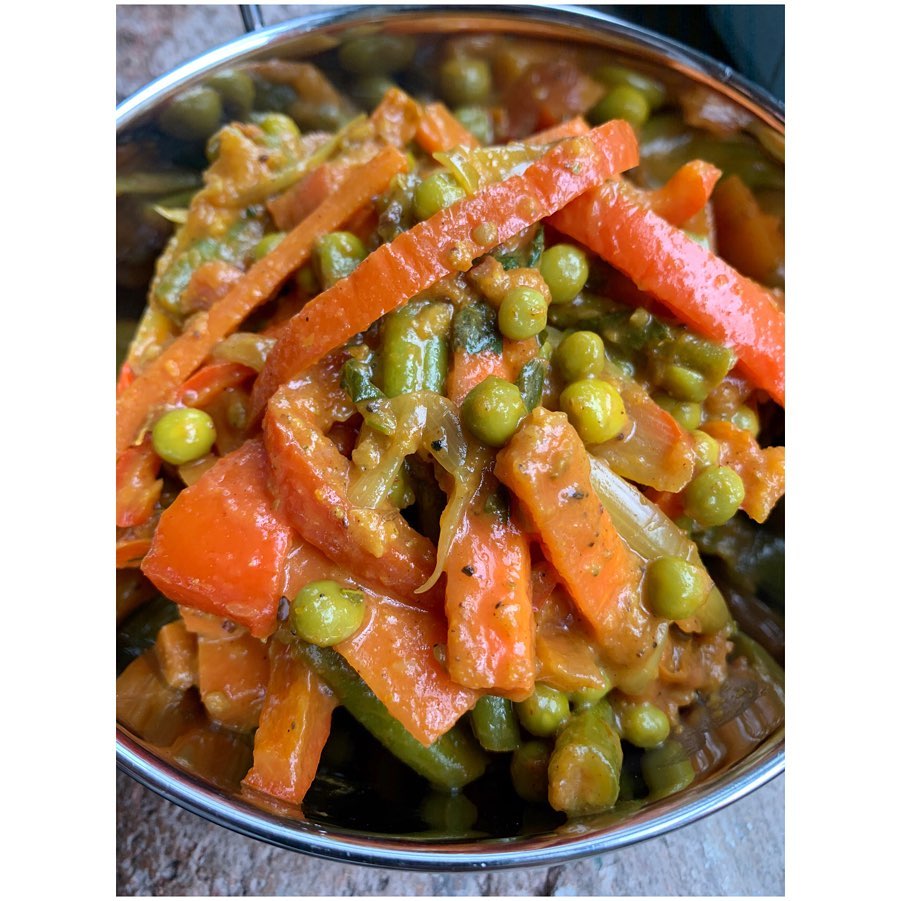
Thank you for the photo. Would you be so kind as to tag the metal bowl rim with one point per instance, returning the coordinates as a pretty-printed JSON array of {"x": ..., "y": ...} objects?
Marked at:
[{"x": 762, "y": 765}]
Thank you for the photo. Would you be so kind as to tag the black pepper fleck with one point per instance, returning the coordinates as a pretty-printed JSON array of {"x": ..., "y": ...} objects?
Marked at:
[{"x": 468, "y": 570}]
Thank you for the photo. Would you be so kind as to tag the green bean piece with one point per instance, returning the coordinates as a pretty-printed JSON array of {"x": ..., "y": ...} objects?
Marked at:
[
  {"x": 183, "y": 435},
  {"x": 529, "y": 771},
  {"x": 452, "y": 761},
  {"x": 193, "y": 115},
  {"x": 477, "y": 120},
  {"x": 475, "y": 329},
  {"x": 267, "y": 244},
  {"x": 714, "y": 496},
  {"x": 544, "y": 711},
  {"x": 370, "y": 90},
  {"x": 167, "y": 182},
  {"x": 325, "y": 613},
  {"x": 377, "y": 54},
  {"x": 414, "y": 350},
  {"x": 666, "y": 769},
  {"x": 583, "y": 774},
  {"x": 674, "y": 588},
  {"x": 687, "y": 413},
  {"x": 564, "y": 267},
  {"x": 465, "y": 81},
  {"x": 530, "y": 382},
  {"x": 712, "y": 360},
  {"x": 685, "y": 384},
  {"x": 746, "y": 418},
  {"x": 580, "y": 356},
  {"x": 522, "y": 313},
  {"x": 401, "y": 494},
  {"x": 493, "y": 410},
  {"x": 138, "y": 632},
  {"x": 435, "y": 193},
  {"x": 335, "y": 256},
  {"x": 595, "y": 409},
  {"x": 237, "y": 91},
  {"x": 644, "y": 725},
  {"x": 494, "y": 724},
  {"x": 621, "y": 102},
  {"x": 654, "y": 92},
  {"x": 707, "y": 449}
]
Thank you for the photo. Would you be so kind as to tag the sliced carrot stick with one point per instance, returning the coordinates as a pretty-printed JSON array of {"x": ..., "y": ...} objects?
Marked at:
[
  {"x": 137, "y": 486},
  {"x": 686, "y": 193},
  {"x": 210, "y": 381},
  {"x": 445, "y": 243},
  {"x": 294, "y": 725},
  {"x": 440, "y": 130},
  {"x": 396, "y": 652},
  {"x": 396, "y": 118},
  {"x": 126, "y": 377},
  {"x": 490, "y": 627},
  {"x": 312, "y": 476},
  {"x": 295, "y": 204},
  {"x": 221, "y": 545},
  {"x": 232, "y": 676},
  {"x": 130, "y": 553},
  {"x": 176, "y": 651},
  {"x": 696, "y": 285},
  {"x": 468, "y": 369},
  {"x": 571, "y": 128},
  {"x": 161, "y": 379},
  {"x": 547, "y": 468}
]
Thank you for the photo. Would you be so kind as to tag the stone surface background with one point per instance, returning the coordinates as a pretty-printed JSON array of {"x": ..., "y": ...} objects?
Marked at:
[{"x": 163, "y": 850}]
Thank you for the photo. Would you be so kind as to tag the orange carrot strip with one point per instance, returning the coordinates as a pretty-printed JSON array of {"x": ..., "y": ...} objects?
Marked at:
[
  {"x": 696, "y": 285},
  {"x": 467, "y": 370},
  {"x": 159, "y": 382},
  {"x": 210, "y": 381},
  {"x": 762, "y": 470},
  {"x": 445, "y": 243},
  {"x": 137, "y": 487},
  {"x": 571, "y": 128},
  {"x": 547, "y": 468},
  {"x": 126, "y": 377},
  {"x": 176, "y": 651},
  {"x": 130, "y": 553},
  {"x": 686, "y": 193},
  {"x": 396, "y": 118},
  {"x": 440, "y": 129},
  {"x": 221, "y": 545},
  {"x": 490, "y": 627},
  {"x": 396, "y": 654},
  {"x": 295, "y": 204},
  {"x": 294, "y": 725},
  {"x": 232, "y": 676}
]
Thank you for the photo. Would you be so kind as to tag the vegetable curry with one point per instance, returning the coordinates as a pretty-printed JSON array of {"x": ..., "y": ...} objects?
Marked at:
[{"x": 449, "y": 433}]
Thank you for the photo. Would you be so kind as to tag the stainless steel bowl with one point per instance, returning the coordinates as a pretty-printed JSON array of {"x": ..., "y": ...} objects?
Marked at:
[{"x": 304, "y": 37}]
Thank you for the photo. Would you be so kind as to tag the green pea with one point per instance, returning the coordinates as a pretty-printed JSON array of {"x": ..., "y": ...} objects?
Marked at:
[
  {"x": 522, "y": 313},
  {"x": 465, "y": 81},
  {"x": 377, "y": 54},
  {"x": 528, "y": 771},
  {"x": 654, "y": 92},
  {"x": 746, "y": 418},
  {"x": 666, "y": 769},
  {"x": 236, "y": 90},
  {"x": 183, "y": 435},
  {"x": 595, "y": 409},
  {"x": 622, "y": 102},
  {"x": 685, "y": 384},
  {"x": 685, "y": 412},
  {"x": 335, "y": 256},
  {"x": 644, "y": 725},
  {"x": 494, "y": 724},
  {"x": 565, "y": 269},
  {"x": 478, "y": 121},
  {"x": 435, "y": 193},
  {"x": 324, "y": 613},
  {"x": 370, "y": 89},
  {"x": 674, "y": 588},
  {"x": 493, "y": 410},
  {"x": 267, "y": 244},
  {"x": 278, "y": 127},
  {"x": 580, "y": 356},
  {"x": 590, "y": 696},
  {"x": 193, "y": 115},
  {"x": 707, "y": 449},
  {"x": 544, "y": 711},
  {"x": 306, "y": 279},
  {"x": 714, "y": 496}
]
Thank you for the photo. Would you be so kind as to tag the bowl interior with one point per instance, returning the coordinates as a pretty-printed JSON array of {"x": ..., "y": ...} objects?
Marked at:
[{"x": 364, "y": 806}]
